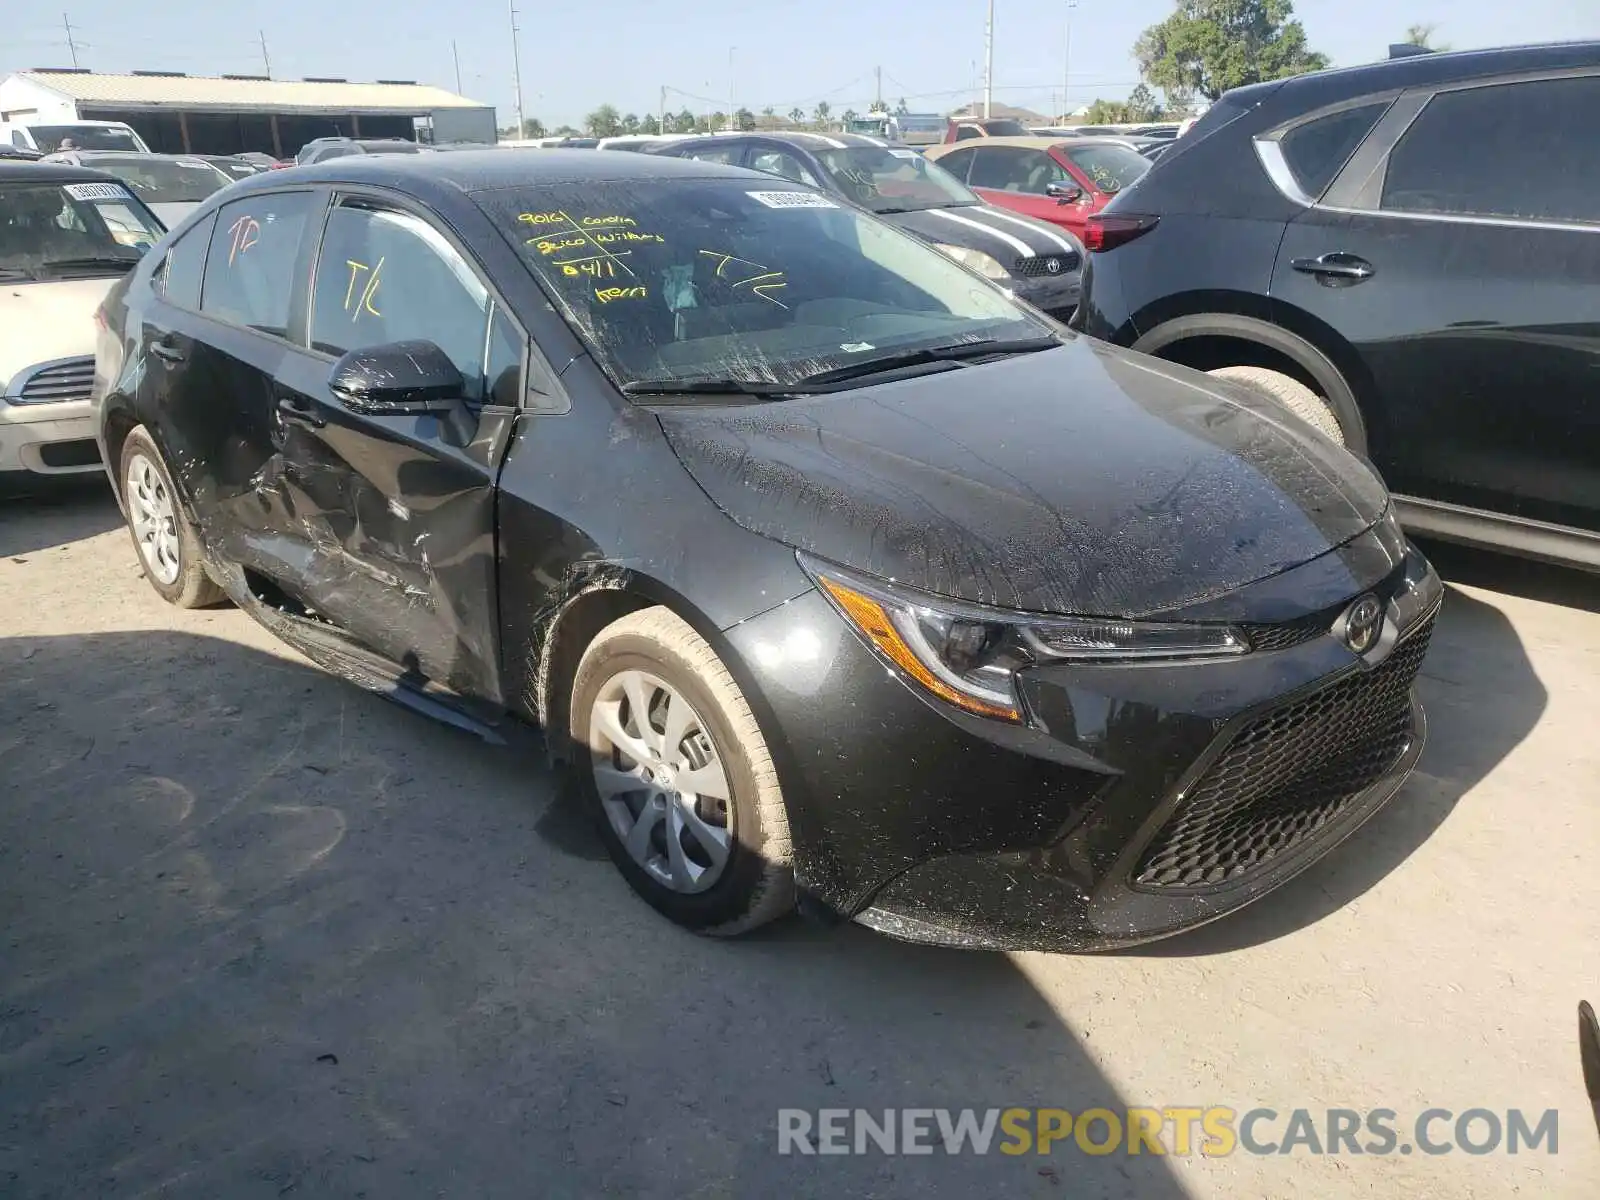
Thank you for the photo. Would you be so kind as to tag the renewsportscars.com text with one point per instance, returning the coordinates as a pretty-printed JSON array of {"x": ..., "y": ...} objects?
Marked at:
[{"x": 1213, "y": 1131}]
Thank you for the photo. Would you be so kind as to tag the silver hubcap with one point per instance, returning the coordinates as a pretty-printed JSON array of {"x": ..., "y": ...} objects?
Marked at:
[
  {"x": 155, "y": 525},
  {"x": 660, "y": 781}
]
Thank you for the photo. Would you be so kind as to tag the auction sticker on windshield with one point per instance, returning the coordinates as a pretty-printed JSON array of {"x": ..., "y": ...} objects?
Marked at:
[
  {"x": 791, "y": 199},
  {"x": 96, "y": 191}
]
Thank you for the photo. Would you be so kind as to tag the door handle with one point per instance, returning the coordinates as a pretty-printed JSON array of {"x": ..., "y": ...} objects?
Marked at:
[
  {"x": 167, "y": 350},
  {"x": 1335, "y": 268},
  {"x": 298, "y": 410}
]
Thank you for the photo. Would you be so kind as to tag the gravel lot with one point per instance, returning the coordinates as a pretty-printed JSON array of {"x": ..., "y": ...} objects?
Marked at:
[{"x": 266, "y": 935}]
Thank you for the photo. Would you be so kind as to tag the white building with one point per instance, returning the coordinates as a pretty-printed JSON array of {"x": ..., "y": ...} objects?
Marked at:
[{"x": 177, "y": 113}]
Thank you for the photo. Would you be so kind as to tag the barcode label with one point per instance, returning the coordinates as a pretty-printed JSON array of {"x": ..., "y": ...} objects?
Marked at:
[
  {"x": 791, "y": 199},
  {"x": 96, "y": 191}
]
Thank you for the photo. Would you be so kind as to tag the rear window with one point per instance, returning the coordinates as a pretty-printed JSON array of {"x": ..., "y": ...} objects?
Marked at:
[
  {"x": 82, "y": 137},
  {"x": 1317, "y": 150},
  {"x": 1109, "y": 168},
  {"x": 163, "y": 180}
]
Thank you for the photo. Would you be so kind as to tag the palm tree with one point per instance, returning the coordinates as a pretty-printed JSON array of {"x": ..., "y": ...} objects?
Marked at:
[
  {"x": 823, "y": 109},
  {"x": 797, "y": 115}
]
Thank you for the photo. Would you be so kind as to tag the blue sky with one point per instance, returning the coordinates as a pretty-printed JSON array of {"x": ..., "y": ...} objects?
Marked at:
[{"x": 624, "y": 51}]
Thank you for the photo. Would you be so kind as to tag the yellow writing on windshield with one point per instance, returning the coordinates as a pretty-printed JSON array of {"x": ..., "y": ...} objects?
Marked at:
[
  {"x": 594, "y": 268},
  {"x": 561, "y": 233},
  {"x": 742, "y": 273},
  {"x": 608, "y": 221},
  {"x": 607, "y": 295}
]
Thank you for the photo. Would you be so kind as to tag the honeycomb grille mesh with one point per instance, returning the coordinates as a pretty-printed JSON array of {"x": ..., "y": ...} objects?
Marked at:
[
  {"x": 1040, "y": 265},
  {"x": 1288, "y": 775}
]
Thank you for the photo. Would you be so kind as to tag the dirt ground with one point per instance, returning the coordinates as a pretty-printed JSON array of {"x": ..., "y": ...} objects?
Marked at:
[{"x": 262, "y": 934}]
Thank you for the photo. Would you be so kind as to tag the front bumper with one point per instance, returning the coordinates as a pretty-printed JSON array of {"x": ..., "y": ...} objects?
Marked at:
[
  {"x": 1057, "y": 295},
  {"x": 1138, "y": 801},
  {"x": 48, "y": 439}
]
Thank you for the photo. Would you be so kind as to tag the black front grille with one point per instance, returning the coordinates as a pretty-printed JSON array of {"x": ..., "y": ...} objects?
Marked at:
[
  {"x": 71, "y": 379},
  {"x": 1040, "y": 264},
  {"x": 1288, "y": 775},
  {"x": 1290, "y": 633}
]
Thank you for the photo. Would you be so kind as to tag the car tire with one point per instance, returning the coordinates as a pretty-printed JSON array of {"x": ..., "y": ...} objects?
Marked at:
[
  {"x": 167, "y": 544},
  {"x": 653, "y": 660},
  {"x": 1288, "y": 393}
]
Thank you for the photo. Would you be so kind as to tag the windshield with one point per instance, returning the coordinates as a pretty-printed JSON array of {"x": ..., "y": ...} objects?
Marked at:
[
  {"x": 1111, "y": 168},
  {"x": 162, "y": 180},
  {"x": 886, "y": 180},
  {"x": 695, "y": 279},
  {"x": 83, "y": 137},
  {"x": 910, "y": 124},
  {"x": 50, "y": 231},
  {"x": 1005, "y": 127}
]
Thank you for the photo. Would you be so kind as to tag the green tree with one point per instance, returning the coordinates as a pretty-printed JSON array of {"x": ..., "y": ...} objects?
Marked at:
[
  {"x": 824, "y": 110},
  {"x": 797, "y": 115},
  {"x": 1422, "y": 35},
  {"x": 649, "y": 124},
  {"x": 630, "y": 123},
  {"x": 744, "y": 119},
  {"x": 566, "y": 131},
  {"x": 900, "y": 108},
  {"x": 1107, "y": 112},
  {"x": 532, "y": 127},
  {"x": 603, "y": 122},
  {"x": 768, "y": 113},
  {"x": 1143, "y": 105},
  {"x": 1210, "y": 46},
  {"x": 848, "y": 116},
  {"x": 684, "y": 122}
]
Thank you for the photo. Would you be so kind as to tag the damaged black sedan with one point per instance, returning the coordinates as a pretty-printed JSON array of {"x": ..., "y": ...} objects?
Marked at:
[{"x": 840, "y": 578}]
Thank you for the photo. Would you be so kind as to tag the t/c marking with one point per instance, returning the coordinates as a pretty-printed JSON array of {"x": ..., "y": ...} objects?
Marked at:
[{"x": 356, "y": 305}]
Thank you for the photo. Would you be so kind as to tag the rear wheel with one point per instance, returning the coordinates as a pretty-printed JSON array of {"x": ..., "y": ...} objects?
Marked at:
[
  {"x": 1287, "y": 393},
  {"x": 679, "y": 777},
  {"x": 167, "y": 544}
]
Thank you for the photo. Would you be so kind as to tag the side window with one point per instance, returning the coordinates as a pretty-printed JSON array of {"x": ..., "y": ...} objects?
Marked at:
[
  {"x": 966, "y": 132},
  {"x": 1507, "y": 150},
  {"x": 787, "y": 166},
  {"x": 386, "y": 276},
  {"x": 1009, "y": 169},
  {"x": 717, "y": 154},
  {"x": 502, "y": 370},
  {"x": 177, "y": 279},
  {"x": 249, "y": 275},
  {"x": 1317, "y": 150},
  {"x": 958, "y": 163}
]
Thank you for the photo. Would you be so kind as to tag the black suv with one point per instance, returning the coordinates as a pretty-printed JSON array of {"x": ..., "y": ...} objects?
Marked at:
[{"x": 1406, "y": 254}]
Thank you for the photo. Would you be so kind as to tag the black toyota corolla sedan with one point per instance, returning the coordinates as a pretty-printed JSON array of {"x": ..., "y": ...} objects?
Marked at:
[
  {"x": 1040, "y": 263},
  {"x": 840, "y": 578}
]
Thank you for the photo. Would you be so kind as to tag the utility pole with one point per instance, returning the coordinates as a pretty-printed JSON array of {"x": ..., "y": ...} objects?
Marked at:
[
  {"x": 516, "y": 70},
  {"x": 663, "y": 119},
  {"x": 71, "y": 45},
  {"x": 877, "y": 105},
  {"x": 1066, "y": 69},
  {"x": 988, "y": 63},
  {"x": 266, "y": 58},
  {"x": 732, "y": 124},
  {"x": 455, "y": 57}
]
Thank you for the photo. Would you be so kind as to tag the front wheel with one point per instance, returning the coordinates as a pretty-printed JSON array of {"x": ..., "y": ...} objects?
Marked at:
[
  {"x": 168, "y": 545},
  {"x": 679, "y": 777},
  {"x": 1290, "y": 394}
]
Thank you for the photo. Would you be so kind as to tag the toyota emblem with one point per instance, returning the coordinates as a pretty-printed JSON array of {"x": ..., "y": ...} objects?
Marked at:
[
  {"x": 1053, "y": 265},
  {"x": 1363, "y": 621}
]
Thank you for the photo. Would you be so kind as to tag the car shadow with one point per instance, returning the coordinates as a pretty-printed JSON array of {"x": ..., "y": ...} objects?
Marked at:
[
  {"x": 61, "y": 511},
  {"x": 1531, "y": 579},
  {"x": 1482, "y": 698},
  {"x": 266, "y": 934}
]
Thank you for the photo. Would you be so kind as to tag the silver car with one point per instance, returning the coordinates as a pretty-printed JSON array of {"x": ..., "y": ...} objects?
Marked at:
[{"x": 171, "y": 184}]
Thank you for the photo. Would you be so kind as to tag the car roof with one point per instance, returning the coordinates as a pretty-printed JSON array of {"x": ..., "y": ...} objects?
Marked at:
[
  {"x": 1027, "y": 143},
  {"x": 486, "y": 170},
  {"x": 1422, "y": 70},
  {"x": 43, "y": 172},
  {"x": 802, "y": 138}
]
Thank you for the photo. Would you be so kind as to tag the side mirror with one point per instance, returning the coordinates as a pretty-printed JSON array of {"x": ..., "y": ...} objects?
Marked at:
[
  {"x": 1064, "y": 193},
  {"x": 398, "y": 379}
]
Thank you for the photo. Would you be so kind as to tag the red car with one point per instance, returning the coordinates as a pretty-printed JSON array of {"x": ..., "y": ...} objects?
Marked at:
[
  {"x": 1060, "y": 180},
  {"x": 961, "y": 129}
]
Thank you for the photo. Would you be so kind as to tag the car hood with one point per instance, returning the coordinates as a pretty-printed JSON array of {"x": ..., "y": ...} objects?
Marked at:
[
  {"x": 1081, "y": 480},
  {"x": 50, "y": 319},
  {"x": 1004, "y": 235}
]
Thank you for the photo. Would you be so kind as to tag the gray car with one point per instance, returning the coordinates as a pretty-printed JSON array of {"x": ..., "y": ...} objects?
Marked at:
[{"x": 171, "y": 185}]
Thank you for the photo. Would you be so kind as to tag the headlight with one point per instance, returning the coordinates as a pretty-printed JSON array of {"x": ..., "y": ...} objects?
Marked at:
[
  {"x": 984, "y": 264},
  {"x": 969, "y": 655}
]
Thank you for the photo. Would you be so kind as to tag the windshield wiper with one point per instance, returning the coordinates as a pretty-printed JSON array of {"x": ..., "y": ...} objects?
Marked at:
[
  {"x": 954, "y": 353},
  {"x": 706, "y": 387},
  {"x": 81, "y": 264},
  {"x": 15, "y": 273}
]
